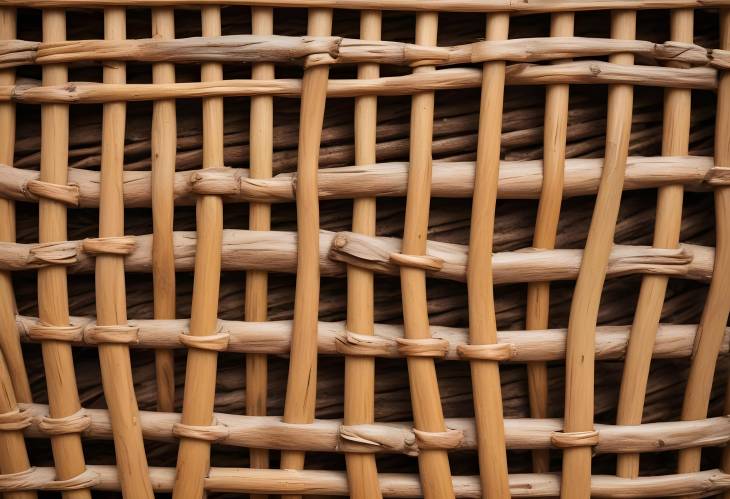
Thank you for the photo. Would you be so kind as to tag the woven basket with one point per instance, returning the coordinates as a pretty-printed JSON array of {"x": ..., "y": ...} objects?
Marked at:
[{"x": 209, "y": 299}]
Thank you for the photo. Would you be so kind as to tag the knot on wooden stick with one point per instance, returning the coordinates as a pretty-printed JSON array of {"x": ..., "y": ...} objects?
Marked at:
[
  {"x": 42, "y": 331},
  {"x": 209, "y": 433},
  {"x": 365, "y": 345},
  {"x": 14, "y": 420},
  {"x": 54, "y": 253},
  {"x": 324, "y": 58},
  {"x": 720, "y": 59},
  {"x": 218, "y": 181},
  {"x": 438, "y": 440},
  {"x": 77, "y": 422},
  {"x": 35, "y": 189},
  {"x": 84, "y": 480},
  {"x": 125, "y": 334},
  {"x": 498, "y": 352},
  {"x": 33, "y": 478},
  {"x": 370, "y": 438},
  {"x": 718, "y": 176},
  {"x": 216, "y": 342},
  {"x": 423, "y": 262},
  {"x": 567, "y": 440},
  {"x": 422, "y": 347},
  {"x": 112, "y": 245}
]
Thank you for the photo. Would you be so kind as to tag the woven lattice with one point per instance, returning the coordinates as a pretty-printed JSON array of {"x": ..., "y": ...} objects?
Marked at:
[{"x": 112, "y": 200}]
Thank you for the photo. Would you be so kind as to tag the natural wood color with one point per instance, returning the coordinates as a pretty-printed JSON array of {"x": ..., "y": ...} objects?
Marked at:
[
  {"x": 359, "y": 393},
  {"x": 8, "y": 346},
  {"x": 256, "y": 294},
  {"x": 63, "y": 394},
  {"x": 200, "y": 374},
  {"x": 546, "y": 227},
  {"x": 301, "y": 388},
  {"x": 578, "y": 73},
  {"x": 675, "y": 142},
  {"x": 164, "y": 151},
  {"x": 482, "y": 315},
  {"x": 517, "y": 180},
  {"x": 435, "y": 474},
  {"x": 579, "y": 363},
  {"x": 111, "y": 303},
  {"x": 717, "y": 305}
]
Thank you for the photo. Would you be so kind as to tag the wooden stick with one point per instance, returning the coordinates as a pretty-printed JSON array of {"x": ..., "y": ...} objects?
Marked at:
[
  {"x": 717, "y": 305},
  {"x": 482, "y": 315},
  {"x": 433, "y": 464},
  {"x": 576, "y": 479},
  {"x": 111, "y": 303},
  {"x": 8, "y": 346},
  {"x": 164, "y": 151},
  {"x": 577, "y": 73},
  {"x": 362, "y": 473},
  {"x": 327, "y": 435},
  {"x": 301, "y": 388},
  {"x": 675, "y": 142},
  {"x": 63, "y": 395},
  {"x": 200, "y": 373},
  {"x": 517, "y": 180},
  {"x": 674, "y": 341},
  {"x": 256, "y": 299},
  {"x": 533, "y": 6},
  {"x": 546, "y": 228}
]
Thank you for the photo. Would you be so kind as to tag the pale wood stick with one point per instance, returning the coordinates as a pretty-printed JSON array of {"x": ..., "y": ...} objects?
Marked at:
[
  {"x": 675, "y": 142},
  {"x": 517, "y": 180},
  {"x": 726, "y": 452},
  {"x": 579, "y": 375},
  {"x": 578, "y": 73},
  {"x": 243, "y": 480},
  {"x": 327, "y": 435},
  {"x": 111, "y": 302},
  {"x": 546, "y": 228},
  {"x": 717, "y": 305},
  {"x": 533, "y": 6},
  {"x": 200, "y": 373},
  {"x": 58, "y": 362},
  {"x": 435, "y": 474},
  {"x": 482, "y": 315},
  {"x": 359, "y": 396},
  {"x": 256, "y": 298},
  {"x": 673, "y": 341},
  {"x": 164, "y": 150},
  {"x": 301, "y": 388},
  {"x": 8, "y": 346},
  {"x": 14, "y": 385}
]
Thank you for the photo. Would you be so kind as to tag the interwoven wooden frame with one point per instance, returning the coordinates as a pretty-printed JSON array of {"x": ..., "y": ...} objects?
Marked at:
[{"x": 683, "y": 66}]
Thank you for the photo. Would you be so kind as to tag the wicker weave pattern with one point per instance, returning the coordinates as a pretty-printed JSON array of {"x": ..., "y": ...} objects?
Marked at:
[{"x": 678, "y": 65}]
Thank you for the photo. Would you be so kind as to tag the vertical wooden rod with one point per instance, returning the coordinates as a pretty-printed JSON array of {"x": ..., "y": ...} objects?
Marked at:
[
  {"x": 63, "y": 396},
  {"x": 13, "y": 378},
  {"x": 580, "y": 354},
  {"x": 488, "y": 414},
  {"x": 111, "y": 302},
  {"x": 256, "y": 299},
  {"x": 194, "y": 455},
  {"x": 675, "y": 142},
  {"x": 301, "y": 388},
  {"x": 717, "y": 305},
  {"x": 9, "y": 344},
  {"x": 164, "y": 152},
  {"x": 546, "y": 229},
  {"x": 359, "y": 396},
  {"x": 428, "y": 415}
]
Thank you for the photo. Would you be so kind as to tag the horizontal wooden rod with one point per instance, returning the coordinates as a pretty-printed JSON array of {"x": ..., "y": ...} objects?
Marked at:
[
  {"x": 310, "y": 482},
  {"x": 327, "y": 435},
  {"x": 516, "y": 6},
  {"x": 578, "y": 72},
  {"x": 517, "y": 180},
  {"x": 673, "y": 340},
  {"x": 276, "y": 251},
  {"x": 296, "y": 50}
]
